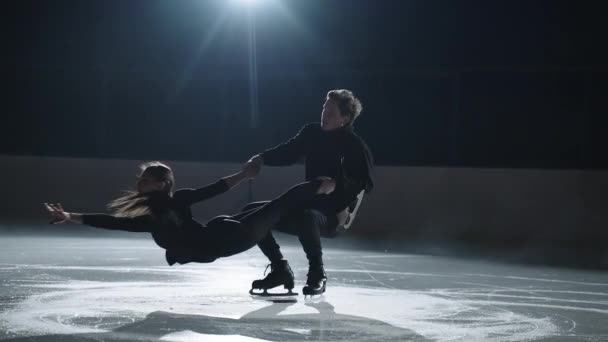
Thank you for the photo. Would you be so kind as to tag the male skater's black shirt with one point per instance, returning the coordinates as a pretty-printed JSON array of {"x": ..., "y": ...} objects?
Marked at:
[{"x": 339, "y": 154}]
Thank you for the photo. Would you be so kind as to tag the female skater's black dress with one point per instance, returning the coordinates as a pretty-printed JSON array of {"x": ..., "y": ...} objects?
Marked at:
[{"x": 186, "y": 240}]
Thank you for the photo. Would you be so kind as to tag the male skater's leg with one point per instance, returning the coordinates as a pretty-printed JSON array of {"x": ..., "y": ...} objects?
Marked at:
[
  {"x": 280, "y": 272},
  {"x": 310, "y": 225},
  {"x": 268, "y": 245}
]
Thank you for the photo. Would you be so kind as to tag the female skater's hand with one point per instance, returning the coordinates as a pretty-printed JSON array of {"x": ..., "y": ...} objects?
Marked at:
[
  {"x": 328, "y": 185},
  {"x": 57, "y": 213},
  {"x": 257, "y": 160},
  {"x": 251, "y": 169}
]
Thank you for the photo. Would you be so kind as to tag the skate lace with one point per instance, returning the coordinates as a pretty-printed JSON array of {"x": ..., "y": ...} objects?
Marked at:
[{"x": 265, "y": 270}]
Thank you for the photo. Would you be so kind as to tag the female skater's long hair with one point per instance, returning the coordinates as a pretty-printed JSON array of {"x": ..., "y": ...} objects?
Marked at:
[{"x": 134, "y": 203}]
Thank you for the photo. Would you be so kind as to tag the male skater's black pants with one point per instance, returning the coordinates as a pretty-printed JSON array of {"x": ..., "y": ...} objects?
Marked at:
[{"x": 309, "y": 225}]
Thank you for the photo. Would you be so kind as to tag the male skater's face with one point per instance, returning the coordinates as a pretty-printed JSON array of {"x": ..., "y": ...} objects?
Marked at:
[{"x": 331, "y": 117}]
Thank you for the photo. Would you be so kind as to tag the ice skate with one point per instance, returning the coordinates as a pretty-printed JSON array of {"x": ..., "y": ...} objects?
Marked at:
[
  {"x": 316, "y": 282},
  {"x": 280, "y": 274}
]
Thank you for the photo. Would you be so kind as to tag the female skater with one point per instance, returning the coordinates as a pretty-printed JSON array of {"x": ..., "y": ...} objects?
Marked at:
[{"x": 155, "y": 209}]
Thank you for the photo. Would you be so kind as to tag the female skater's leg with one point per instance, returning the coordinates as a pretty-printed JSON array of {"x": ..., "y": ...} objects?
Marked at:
[
  {"x": 226, "y": 236},
  {"x": 260, "y": 221}
]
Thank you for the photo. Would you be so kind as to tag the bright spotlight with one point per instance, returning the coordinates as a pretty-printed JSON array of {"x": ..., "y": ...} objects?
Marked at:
[{"x": 247, "y": 2}]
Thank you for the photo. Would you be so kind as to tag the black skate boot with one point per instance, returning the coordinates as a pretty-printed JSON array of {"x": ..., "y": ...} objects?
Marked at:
[
  {"x": 280, "y": 274},
  {"x": 315, "y": 284}
]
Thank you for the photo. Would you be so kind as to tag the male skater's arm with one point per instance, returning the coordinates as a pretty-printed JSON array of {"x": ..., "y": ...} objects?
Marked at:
[
  {"x": 354, "y": 180},
  {"x": 286, "y": 153},
  {"x": 357, "y": 167}
]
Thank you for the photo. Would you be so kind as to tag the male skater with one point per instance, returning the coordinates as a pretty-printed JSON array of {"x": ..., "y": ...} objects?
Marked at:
[{"x": 331, "y": 149}]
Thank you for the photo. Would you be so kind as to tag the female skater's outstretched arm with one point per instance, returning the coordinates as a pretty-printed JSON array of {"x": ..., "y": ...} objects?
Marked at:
[
  {"x": 142, "y": 224},
  {"x": 138, "y": 210}
]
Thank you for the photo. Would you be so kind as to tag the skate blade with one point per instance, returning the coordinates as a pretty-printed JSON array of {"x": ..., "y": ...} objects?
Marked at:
[
  {"x": 265, "y": 293},
  {"x": 276, "y": 300},
  {"x": 314, "y": 298}
]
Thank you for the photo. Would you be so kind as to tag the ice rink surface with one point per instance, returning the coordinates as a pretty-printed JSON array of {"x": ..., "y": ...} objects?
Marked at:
[{"x": 86, "y": 288}]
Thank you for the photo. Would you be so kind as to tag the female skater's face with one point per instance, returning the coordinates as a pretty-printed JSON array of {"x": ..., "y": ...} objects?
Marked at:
[
  {"x": 149, "y": 184},
  {"x": 331, "y": 117}
]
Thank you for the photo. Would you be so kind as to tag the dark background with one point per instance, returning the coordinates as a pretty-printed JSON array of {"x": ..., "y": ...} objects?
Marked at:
[{"x": 517, "y": 84}]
